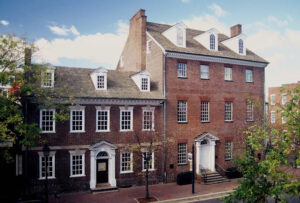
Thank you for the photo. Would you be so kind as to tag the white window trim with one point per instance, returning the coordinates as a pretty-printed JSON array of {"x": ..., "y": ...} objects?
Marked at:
[
  {"x": 148, "y": 83},
  {"x": 148, "y": 109},
  {"x": 186, "y": 112},
  {"x": 52, "y": 154},
  {"x": 77, "y": 153},
  {"x": 53, "y": 110},
  {"x": 77, "y": 108},
  {"x": 107, "y": 109},
  {"x": 231, "y": 112},
  {"x": 282, "y": 101},
  {"x": 208, "y": 105},
  {"x": 105, "y": 81},
  {"x": 231, "y": 150},
  {"x": 225, "y": 73},
  {"x": 185, "y": 152},
  {"x": 251, "y": 75},
  {"x": 252, "y": 114},
  {"x": 201, "y": 76},
  {"x": 182, "y": 76},
  {"x": 273, "y": 113},
  {"x": 272, "y": 102},
  {"x": 153, "y": 167},
  {"x": 122, "y": 109},
  {"x": 149, "y": 46},
  {"x": 52, "y": 78},
  {"x": 131, "y": 163}
]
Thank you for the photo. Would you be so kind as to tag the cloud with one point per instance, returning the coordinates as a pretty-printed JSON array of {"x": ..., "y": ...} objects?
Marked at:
[
  {"x": 63, "y": 30},
  {"x": 98, "y": 48},
  {"x": 217, "y": 10},
  {"x": 278, "y": 22},
  {"x": 4, "y": 22},
  {"x": 185, "y": 1}
]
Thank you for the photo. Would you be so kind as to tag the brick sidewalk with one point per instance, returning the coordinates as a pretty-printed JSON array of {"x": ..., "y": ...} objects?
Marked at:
[{"x": 160, "y": 191}]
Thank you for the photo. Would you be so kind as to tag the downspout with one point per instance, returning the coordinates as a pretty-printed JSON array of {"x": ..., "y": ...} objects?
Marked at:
[{"x": 165, "y": 119}]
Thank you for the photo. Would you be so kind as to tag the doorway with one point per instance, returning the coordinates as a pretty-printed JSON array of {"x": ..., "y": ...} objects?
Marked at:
[{"x": 102, "y": 171}]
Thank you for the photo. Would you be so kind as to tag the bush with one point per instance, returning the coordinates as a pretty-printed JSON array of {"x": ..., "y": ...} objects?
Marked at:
[
  {"x": 233, "y": 172},
  {"x": 184, "y": 178}
]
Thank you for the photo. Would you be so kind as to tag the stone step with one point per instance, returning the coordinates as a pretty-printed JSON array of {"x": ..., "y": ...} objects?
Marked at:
[{"x": 104, "y": 189}]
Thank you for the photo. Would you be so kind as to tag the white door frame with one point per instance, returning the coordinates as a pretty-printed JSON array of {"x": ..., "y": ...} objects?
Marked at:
[
  {"x": 211, "y": 142},
  {"x": 111, "y": 151}
]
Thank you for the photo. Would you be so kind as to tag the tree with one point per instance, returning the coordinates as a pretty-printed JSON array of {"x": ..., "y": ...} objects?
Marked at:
[{"x": 270, "y": 177}]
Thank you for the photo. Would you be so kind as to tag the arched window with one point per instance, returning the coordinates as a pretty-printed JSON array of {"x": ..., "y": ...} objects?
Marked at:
[
  {"x": 102, "y": 155},
  {"x": 241, "y": 46},
  {"x": 212, "y": 42}
]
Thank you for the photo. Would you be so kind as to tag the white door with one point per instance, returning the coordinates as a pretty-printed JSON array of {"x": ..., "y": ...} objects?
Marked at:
[{"x": 205, "y": 156}]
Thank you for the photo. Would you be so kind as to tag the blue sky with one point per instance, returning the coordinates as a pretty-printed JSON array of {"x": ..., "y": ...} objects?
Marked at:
[{"x": 92, "y": 33}]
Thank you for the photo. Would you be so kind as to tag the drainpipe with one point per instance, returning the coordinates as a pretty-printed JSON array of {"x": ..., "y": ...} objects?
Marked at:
[{"x": 165, "y": 120}]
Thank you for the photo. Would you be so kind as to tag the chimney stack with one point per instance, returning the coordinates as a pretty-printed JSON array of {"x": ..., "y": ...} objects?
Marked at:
[
  {"x": 236, "y": 30},
  {"x": 27, "y": 59}
]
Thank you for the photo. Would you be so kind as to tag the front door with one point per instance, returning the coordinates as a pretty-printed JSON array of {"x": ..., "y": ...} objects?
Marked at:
[
  {"x": 205, "y": 155},
  {"x": 102, "y": 170}
]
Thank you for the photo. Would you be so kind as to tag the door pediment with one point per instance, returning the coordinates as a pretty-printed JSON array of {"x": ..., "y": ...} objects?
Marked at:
[{"x": 206, "y": 136}]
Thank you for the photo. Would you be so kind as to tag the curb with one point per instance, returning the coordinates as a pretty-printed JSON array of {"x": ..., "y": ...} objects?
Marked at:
[{"x": 198, "y": 197}]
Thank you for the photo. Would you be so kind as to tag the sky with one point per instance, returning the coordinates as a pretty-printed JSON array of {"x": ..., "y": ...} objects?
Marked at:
[{"x": 92, "y": 33}]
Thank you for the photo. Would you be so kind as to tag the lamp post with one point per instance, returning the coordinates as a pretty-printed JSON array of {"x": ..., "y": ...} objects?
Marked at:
[
  {"x": 46, "y": 151},
  {"x": 193, "y": 169}
]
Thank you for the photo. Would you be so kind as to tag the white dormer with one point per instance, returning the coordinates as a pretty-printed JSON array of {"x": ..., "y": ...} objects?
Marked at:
[
  {"x": 177, "y": 34},
  {"x": 209, "y": 39},
  {"x": 99, "y": 78},
  {"x": 142, "y": 80},
  {"x": 47, "y": 75}
]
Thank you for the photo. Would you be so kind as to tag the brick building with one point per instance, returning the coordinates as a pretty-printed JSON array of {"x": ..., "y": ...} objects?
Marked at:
[{"x": 213, "y": 86}]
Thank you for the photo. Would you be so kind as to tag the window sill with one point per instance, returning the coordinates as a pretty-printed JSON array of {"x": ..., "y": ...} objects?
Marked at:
[
  {"x": 228, "y": 121},
  {"x": 148, "y": 170},
  {"x": 228, "y": 159},
  {"x": 185, "y": 164},
  {"x": 77, "y": 131},
  {"x": 250, "y": 82},
  {"x": 182, "y": 122},
  {"x": 204, "y": 121},
  {"x": 149, "y": 130},
  {"x": 249, "y": 120},
  {"x": 48, "y": 132},
  {"x": 126, "y": 172},
  {"x": 102, "y": 131},
  {"x": 126, "y": 131},
  {"x": 181, "y": 77},
  {"x": 77, "y": 176},
  {"x": 49, "y": 178},
  {"x": 228, "y": 80},
  {"x": 204, "y": 78}
]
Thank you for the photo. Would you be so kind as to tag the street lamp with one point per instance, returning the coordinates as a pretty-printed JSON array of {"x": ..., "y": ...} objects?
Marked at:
[{"x": 46, "y": 151}]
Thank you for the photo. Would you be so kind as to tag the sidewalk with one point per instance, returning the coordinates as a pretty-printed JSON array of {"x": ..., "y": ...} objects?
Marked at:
[{"x": 159, "y": 191}]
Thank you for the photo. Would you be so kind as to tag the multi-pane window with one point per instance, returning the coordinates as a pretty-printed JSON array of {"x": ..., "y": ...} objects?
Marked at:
[
  {"x": 179, "y": 36},
  {"x": 148, "y": 157},
  {"x": 145, "y": 84},
  {"x": 126, "y": 120},
  {"x": 249, "y": 75},
  {"x": 148, "y": 120},
  {"x": 182, "y": 153},
  {"x": 204, "y": 72},
  {"x": 228, "y": 111},
  {"x": 272, "y": 99},
  {"x": 283, "y": 118},
  {"x": 181, "y": 70},
  {"x": 77, "y": 120},
  {"x": 47, "y": 79},
  {"x": 103, "y": 120},
  {"x": 77, "y": 165},
  {"x": 241, "y": 46},
  {"x": 50, "y": 166},
  {"x": 283, "y": 99},
  {"x": 182, "y": 111},
  {"x": 47, "y": 122},
  {"x": 100, "y": 82},
  {"x": 249, "y": 111},
  {"x": 149, "y": 46},
  {"x": 204, "y": 117},
  {"x": 228, "y": 150},
  {"x": 212, "y": 42},
  {"x": 228, "y": 74},
  {"x": 126, "y": 162},
  {"x": 273, "y": 116}
]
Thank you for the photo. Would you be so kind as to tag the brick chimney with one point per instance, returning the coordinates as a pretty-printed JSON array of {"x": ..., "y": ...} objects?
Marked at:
[
  {"x": 27, "y": 57},
  {"x": 236, "y": 30}
]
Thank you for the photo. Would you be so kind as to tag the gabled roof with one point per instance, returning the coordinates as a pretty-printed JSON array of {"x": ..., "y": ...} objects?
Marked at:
[
  {"x": 77, "y": 83},
  {"x": 205, "y": 135},
  {"x": 194, "y": 47}
]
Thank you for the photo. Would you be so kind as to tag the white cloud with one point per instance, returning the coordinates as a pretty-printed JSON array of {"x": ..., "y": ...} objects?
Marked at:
[
  {"x": 4, "y": 22},
  {"x": 63, "y": 30},
  {"x": 185, "y": 1},
  {"x": 100, "y": 48},
  {"x": 217, "y": 10},
  {"x": 275, "y": 20}
]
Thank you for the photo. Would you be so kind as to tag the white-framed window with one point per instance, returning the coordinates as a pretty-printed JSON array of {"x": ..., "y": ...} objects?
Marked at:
[
  {"x": 77, "y": 120},
  {"x": 150, "y": 157},
  {"x": 47, "y": 120},
  {"x": 102, "y": 119},
  {"x": 272, "y": 99},
  {"x": 273, "y": 116},
  {"x": 283, "y": 99},
  {"x": 149, "y": 46},
  {"x": 249, "y": 75},
  {"x": 50, "y": 166},
  {"x": 182, "y": 153},
  {"x": 204, "y": 115},
  {"x": 148, "y": 118},
  {"x": 249, "y": 111},
  {"x": 228, "y": 150},
  {"x": 179, "y": 36},
  {"x": 241, "y": 46},
  {"x": 126, "y": 119},
  {"x": 145, "y": 84},
  {"x": 182, "y": 111},
  {"x": 204, "y": 71},
  {"x": 228, "y": 74},
  {"x": 181, "y": 70},
  {"x": 212, "y": 42},
  {"x": 283, "y": 118},
  {"x": 228, "y": 111},
  {"x": 100, "y": 82},
  {"x": 47, "y": 78},
  {"x": 126, "y": 162},
  {"x": 77, "y": 164}
]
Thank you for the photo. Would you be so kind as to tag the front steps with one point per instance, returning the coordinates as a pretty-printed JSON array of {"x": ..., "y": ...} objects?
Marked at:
[
  {"x": 100, "y": 188},
  {"x": 213, "y": 178}
]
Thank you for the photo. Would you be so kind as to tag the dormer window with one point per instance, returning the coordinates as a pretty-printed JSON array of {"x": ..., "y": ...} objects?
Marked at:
[
  {"x": 48, "y": 78},
  {"x": 212, "y": 42},
  {"x": 100, "y": 82},
  {"x": 149, "y": 46},
  {"x": 241, "y": 46},
  {"x": 145, "y": 85},
  {"x": 176, "y": 34},
  {"x": 142, "y": 80},
  {"x": 99, "y": 78},
  {"x": 179, "y": 36}
]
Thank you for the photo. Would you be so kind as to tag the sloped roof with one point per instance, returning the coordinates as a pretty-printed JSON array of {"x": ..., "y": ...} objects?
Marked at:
[
  {"x": 194, "y": 47},
  {"x": 76, "y": 82}
]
